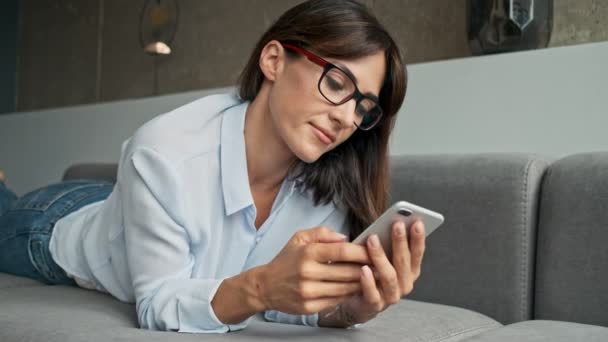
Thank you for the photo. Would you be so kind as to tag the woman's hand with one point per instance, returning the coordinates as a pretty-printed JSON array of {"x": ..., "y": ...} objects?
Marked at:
[
  {"x": 388, "y": 282},
  {"x": 315, "y": 270}
]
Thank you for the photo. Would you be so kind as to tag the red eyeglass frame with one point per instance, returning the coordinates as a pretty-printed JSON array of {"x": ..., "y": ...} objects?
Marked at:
[{"x": 357, "y": 95}]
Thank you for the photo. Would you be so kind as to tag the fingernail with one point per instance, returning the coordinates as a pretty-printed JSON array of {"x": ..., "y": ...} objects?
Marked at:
[
  {"x": 399, "y": 229},
  {"x": 365, "y": 271},
  {"x": 374, "y": 241}
]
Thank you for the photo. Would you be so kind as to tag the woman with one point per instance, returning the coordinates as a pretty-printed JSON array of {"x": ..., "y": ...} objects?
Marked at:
[{"x": 208, "y": 194}]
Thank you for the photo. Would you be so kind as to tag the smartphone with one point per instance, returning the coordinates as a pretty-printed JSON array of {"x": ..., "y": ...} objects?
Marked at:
[{"x": 400, "y": 211}]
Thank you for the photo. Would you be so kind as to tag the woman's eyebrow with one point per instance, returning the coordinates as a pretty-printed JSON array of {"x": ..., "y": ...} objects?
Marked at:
[
  {"x": 347, "y": 71},
  {"x": 351, "y": 75}
]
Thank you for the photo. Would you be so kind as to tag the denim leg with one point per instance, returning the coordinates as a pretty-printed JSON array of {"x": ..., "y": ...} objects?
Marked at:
[
  {"x": 7, "y": 198},
  {"x": 25, "y": 229}
]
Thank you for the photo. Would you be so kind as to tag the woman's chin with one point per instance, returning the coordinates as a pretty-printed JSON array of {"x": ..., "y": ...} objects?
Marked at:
[
  {"x": 309, "y": 159},
  {"x": 309, "y": 155}
]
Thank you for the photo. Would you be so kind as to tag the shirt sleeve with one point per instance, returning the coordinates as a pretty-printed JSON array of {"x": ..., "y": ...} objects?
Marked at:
[
  {"x": 158, "y": 251},
  {"x": 338, "y": 222}
]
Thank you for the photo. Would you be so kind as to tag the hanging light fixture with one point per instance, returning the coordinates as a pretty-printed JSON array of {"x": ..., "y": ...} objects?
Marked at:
[
  {"x": 157, "y": 26},
  {"x": 508, "y": 25}
]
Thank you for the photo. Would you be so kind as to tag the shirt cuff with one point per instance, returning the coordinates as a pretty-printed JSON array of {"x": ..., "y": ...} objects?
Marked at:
[
  {"x": 192, "y": 320},
  {"x": 281, "y": 317}
]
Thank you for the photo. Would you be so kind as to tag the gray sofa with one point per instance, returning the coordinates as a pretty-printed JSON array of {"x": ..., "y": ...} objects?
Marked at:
[{"x": 522, "y": 257}]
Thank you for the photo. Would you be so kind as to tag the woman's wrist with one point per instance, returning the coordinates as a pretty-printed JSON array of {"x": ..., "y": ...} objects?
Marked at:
[
  {"x": 254, "y": 281},
  {"x": 239, "y": 297}
]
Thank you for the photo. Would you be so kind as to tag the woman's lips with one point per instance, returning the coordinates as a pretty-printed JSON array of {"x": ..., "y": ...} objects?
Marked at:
[{"x": 321, "y": 135}]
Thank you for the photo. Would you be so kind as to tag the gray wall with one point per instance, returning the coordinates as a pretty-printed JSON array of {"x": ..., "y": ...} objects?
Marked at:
[
  {"x": 8, "y": 54},
  {"x": 552, "y": 101},
  {"x": 85, "y": 51}
]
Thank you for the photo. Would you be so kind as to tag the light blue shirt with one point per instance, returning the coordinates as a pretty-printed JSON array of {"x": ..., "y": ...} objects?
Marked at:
[{"x": 181, "y": 219}]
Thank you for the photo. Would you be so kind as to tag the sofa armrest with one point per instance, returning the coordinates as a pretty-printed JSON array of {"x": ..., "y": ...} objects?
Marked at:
[{"x": 482, "y": 258}]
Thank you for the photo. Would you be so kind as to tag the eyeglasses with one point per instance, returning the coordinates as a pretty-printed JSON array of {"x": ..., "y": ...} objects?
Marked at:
[{"x": 337, "y": 86}]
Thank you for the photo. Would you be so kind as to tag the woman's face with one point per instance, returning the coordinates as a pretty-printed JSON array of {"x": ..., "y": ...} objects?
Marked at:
[{"x": 306, "y": 122}]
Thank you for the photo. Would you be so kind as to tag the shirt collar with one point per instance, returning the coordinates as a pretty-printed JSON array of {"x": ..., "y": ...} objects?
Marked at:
[{"x": 233, "y": 159}]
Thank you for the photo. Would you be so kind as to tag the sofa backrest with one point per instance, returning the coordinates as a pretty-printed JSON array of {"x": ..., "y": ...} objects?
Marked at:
[
  {"x": 523, "y": 238},
  {"x": 482, "y": 258},
  {"x": 572, "y": 252}
]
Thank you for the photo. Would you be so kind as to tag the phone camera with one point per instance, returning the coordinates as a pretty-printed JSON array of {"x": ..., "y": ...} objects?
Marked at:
[{"x": 404, "y": 212}]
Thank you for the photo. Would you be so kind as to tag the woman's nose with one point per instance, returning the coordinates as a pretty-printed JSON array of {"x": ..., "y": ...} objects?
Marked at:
[{"x": 344, "y": 114}]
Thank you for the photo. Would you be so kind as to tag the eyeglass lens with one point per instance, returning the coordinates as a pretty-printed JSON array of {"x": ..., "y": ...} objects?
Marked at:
[{"x": 336, "y": 87}]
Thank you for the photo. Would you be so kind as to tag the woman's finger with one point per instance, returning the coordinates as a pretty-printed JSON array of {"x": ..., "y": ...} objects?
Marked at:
[
  {"x": 371, "y": 294},
  {"x": 401, "y": 256},
  {"x": 339, "y": 252},
  {"x": 336, "y": 272},
  {"x": 417, "y": 246},
  {"x": 321, "y": 289},
  {"x": 389, "y": 285},
  {"x": 320, "y": 304}
]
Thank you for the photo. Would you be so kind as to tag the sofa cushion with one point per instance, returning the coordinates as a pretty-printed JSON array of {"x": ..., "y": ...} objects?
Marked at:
[
  {"x": 572, "y": 277},
  {"x": 101, "y": 171},
  {"x": 9, "y": 281},
  {"x": 63, "y": 314},
  {"x": 482, "y": 258},
  {"x": 541, "y": 331}
]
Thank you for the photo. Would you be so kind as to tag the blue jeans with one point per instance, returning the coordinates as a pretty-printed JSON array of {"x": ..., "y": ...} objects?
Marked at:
[{"x": 26, "y": 225}]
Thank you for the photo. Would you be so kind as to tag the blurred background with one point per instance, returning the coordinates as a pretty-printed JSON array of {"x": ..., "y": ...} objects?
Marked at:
[{"x": 67, "y": 52}]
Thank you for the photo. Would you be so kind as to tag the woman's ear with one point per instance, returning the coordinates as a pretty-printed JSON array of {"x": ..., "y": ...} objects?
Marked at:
[{"x": 272, "y": 59}]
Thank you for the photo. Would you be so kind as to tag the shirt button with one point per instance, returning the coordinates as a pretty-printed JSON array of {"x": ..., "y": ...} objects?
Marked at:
[{"x": 257, "y": 239}]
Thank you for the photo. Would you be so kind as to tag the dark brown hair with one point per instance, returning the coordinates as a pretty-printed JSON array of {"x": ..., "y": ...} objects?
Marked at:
[{"x": 354, "y": 175}]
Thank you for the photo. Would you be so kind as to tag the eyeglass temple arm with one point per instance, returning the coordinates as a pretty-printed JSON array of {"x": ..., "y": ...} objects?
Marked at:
[{"x": 317, "y": 60}]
